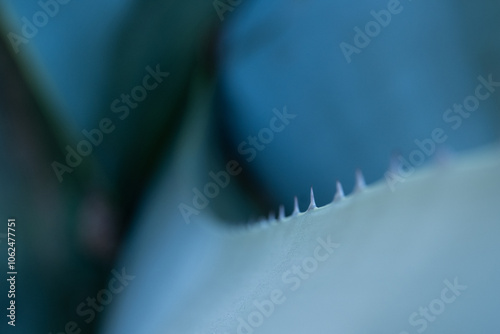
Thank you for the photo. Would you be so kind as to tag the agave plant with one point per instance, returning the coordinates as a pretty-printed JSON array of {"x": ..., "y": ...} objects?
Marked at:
[{"x": 159, "y": 158}]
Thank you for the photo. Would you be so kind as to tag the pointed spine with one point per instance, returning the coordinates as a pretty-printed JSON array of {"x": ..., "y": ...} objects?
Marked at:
[
  {"x": 296, "y": 210},
  {"x": 360, "y": 181},
  {"x": 312, "y": 205},
  {"x": 339, "y": 195},
  {"x": 281, "y": 215}
]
